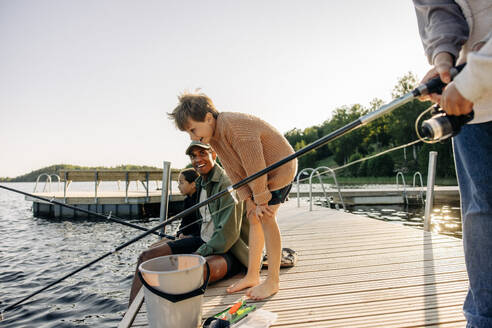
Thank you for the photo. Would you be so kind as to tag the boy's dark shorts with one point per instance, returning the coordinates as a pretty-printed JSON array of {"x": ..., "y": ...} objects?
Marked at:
[
  {"x": 280, "y": 195},
  {"x": 191, "y": 244}
]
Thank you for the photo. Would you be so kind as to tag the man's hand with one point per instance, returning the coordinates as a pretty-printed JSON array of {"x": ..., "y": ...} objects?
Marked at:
[
  {"x": 263, "y": 209},
  {"x": 442, "y": 66},
  {"x": 453, "y": 102}
]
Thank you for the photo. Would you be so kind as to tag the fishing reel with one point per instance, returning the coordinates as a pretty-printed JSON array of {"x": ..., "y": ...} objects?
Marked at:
[{"x": 442, "y": 126}]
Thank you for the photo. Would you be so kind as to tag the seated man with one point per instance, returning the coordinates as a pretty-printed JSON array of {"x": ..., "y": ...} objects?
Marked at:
[{"x": 224, "y": 232}]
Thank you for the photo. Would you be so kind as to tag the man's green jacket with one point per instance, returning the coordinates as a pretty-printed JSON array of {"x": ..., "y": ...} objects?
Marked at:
[{"x": 229, "y": 219}]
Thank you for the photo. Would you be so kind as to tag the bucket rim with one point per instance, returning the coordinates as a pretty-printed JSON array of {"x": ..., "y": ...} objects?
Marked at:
[{"x": 202, "y": 261}]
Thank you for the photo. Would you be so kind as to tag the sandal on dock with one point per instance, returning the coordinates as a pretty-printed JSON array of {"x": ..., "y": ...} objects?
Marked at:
[{"x": 288, "y": 260}]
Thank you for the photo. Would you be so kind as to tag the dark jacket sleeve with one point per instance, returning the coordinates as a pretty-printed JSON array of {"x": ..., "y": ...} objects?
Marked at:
[{"x": 188, "y": 225}]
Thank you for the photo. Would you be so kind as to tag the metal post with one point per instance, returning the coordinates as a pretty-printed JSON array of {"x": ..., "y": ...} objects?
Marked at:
[
  {"x": 310, "y": 193},
  {"x": 96, "y": 184},
  {"x": 429, "y": 195},
  {"x": 166, "y": 178},
  {"x": 298, "y": 177},
  {"x": 65, "y": 186},
  {"x": 127, "y": 184},
  {"x": 147, "y": 188},
  {"x": 298, "y": 201}
]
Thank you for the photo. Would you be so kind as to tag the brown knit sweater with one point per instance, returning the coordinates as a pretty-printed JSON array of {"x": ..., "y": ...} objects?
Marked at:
[{"x": 245, "y": 145}]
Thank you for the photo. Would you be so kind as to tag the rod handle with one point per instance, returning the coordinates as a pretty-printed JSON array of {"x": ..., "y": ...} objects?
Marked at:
[{"x": 435, "y": 85}]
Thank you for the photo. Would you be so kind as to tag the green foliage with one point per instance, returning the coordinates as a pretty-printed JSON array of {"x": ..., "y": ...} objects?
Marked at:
[
  {"x": 405, "y": 84},
  {"x": 343, "y": 147},
  {"x": 445, "y": 161},
  {"x": 309, "y": 159},
  {"x": 353, "y": 170},
  {"x": 362, "y": 170},
  {"x": 391, "y": 130},
  {"x": 381, "y": 166}
]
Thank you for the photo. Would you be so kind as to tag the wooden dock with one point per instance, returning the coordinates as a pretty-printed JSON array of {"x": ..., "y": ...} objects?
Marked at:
[
  {"x": 354, "y": 271},
  {"x": 123, "y": 202}
]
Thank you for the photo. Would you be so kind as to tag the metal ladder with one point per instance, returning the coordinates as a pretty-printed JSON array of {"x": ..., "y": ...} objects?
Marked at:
[
  {"x": 47, "y": 182},
  {"x": 400, "y": 173},
  {"x": 421, "y": 193},
  {"x": 316, "y": 171}
]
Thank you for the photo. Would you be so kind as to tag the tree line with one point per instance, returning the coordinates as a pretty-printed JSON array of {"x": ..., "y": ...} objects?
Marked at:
[{"x": 391, "y": 130}]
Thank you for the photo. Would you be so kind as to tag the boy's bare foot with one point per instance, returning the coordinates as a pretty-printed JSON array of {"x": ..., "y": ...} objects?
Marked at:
[
  {"x": 266, "y": 289},
  {"x": 246, "y": 282}
]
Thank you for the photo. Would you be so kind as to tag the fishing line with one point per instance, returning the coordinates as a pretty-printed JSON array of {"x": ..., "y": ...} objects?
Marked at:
[
  {"x": 426, "y": 140},
  {"x": 366, "y": 158},
  {"x": 377, "y": 155},
  {"x": 109, "y": 217}
]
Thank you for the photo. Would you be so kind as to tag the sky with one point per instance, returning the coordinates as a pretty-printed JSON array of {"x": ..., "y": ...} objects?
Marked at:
[{"x": 89, "y": 82}]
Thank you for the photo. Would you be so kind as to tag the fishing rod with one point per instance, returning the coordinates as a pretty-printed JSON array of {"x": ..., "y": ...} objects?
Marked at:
[
  {"x": 433, "y": 86},
  {"x": 108, "y": 217}
]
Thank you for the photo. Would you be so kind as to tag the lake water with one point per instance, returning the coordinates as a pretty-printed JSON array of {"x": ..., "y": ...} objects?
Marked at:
[
  {"x": 35, "y": 252},
  {"x": 445, "y": 219}
]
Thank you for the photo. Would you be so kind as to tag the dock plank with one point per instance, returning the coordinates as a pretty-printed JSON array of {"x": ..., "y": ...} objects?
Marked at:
[{"x": 358, "y": 272}]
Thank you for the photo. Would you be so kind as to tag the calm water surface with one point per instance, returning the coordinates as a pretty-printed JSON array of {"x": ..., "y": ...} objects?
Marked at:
[
  {"x": 35, "y": 252},
  {"x": 445, "y": 219}
]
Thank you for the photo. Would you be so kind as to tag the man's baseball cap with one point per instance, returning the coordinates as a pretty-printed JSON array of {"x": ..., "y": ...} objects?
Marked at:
[{"x": 195, "y": 143}]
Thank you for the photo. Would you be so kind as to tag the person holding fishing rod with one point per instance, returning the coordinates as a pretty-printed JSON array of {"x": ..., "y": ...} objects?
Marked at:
[
  {"x": 223, "y": 238},
  {"x": 457, "y": 32},
  {"x": 246, "y": 145}
]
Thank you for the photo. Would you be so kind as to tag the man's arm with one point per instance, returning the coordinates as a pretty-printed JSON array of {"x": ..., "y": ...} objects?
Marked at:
[
  {"x": 442, "y": 27},
  {"x": 443, "y": 30}
]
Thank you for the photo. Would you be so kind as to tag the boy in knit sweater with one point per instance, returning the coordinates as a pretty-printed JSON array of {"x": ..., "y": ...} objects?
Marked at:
[{"x": 245, "y": 145}]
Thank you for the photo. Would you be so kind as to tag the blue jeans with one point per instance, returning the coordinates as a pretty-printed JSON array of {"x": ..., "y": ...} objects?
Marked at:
[{"x": 473, "y": 159}]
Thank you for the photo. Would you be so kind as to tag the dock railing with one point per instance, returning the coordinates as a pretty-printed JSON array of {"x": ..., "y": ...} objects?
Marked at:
[
  {"x": 327, "y": 170},
  {"x": 96, "y": 176},
  {"x": 398, "y": 174},
  {"x": 318, "y": 173},
  {"x": 421, "y": 190}
]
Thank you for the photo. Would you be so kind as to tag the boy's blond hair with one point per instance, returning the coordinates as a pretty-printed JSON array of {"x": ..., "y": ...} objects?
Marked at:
[{"x": 194, "y": 106}]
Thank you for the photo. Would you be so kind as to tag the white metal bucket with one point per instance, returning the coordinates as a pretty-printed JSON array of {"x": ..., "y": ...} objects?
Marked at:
[{"x": 174, "y": 275}]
